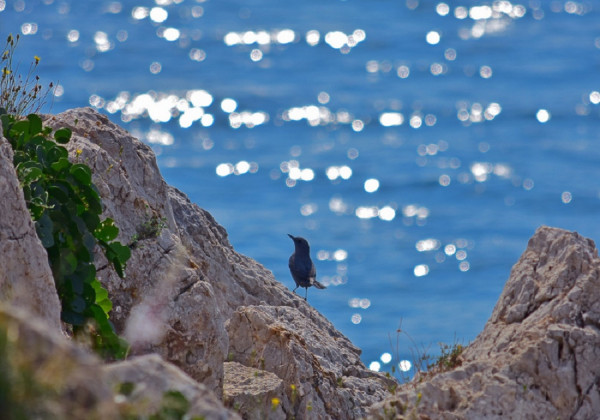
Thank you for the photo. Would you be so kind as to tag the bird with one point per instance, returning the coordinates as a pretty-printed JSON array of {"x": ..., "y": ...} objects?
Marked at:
[{"x": 301, "y": 266}]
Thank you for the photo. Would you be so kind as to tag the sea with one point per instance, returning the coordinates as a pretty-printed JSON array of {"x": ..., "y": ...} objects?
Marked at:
[{"x": 417, "y": 145}]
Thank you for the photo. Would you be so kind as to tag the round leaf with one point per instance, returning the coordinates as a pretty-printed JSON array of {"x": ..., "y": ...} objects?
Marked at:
[
  {"x": 81, "y": 173},
  {"x": 62, "y": 135}
]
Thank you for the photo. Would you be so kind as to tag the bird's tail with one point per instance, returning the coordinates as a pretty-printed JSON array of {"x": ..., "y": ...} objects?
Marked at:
[{"x": 319, "y": 285}]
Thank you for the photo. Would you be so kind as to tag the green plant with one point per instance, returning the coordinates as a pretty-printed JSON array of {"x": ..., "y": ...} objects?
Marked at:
[
  {"x": 20, "y": 96},
  {"x": 449, "y": 358},
  {"x": 66, "y": 207},
  {"x": 424, "y": 364},
  {"x": 174, "y": 406},
  {"x": 148, "y": 230}
]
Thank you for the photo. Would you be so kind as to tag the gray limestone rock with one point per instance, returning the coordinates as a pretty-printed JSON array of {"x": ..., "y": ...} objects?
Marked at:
[
  {"x": 321, "y": 369},
  {"x": 253, "y": 392},
  {"x": 537, "y": 356}
]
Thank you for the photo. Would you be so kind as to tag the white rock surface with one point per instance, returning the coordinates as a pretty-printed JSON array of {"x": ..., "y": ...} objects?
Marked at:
[{"x": 538, "y": 356}]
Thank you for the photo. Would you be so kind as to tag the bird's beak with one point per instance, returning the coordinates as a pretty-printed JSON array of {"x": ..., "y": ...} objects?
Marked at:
[{"x": 291, "y": 236}]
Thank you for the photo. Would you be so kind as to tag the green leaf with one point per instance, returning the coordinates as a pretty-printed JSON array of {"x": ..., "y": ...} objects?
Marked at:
[
  {"x": 7, "y": 121},
  {"x": 91, "y": 220},
  {"x": 58, "y": 193},
  {"x": 68, "y": 262},
  {"x": 78, "y": 304},
  {"x": 102, "y": 299},
  {"x": 122, "y": 251},
  {"x": 19, "y": 128},
  {"x": 55, "y": 153},
  {"x": 107, "y": 231},
  {"x": 62, "y": 135},
  {"x": 35, "y": 124},
  {"x": 72, "y": 318},
  {"x": 29, "y": 172},
  {"x": 91, "y": 197},
  {"x": 44, "y": 228},
  {"x": 60, "y": 164},
  {"x": 81, "y": 173}
]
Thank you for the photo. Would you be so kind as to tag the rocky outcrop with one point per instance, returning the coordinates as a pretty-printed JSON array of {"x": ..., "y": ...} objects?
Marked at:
[
  {"x": 538, "y": 355},
  {"x": 320, "y": 367},
  {"x": 185, "y": 283},
  {"x": 213, "y": 325}
]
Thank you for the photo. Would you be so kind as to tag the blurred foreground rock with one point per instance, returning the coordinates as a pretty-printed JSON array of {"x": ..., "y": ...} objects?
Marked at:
[{"x": 538, "y": 356}]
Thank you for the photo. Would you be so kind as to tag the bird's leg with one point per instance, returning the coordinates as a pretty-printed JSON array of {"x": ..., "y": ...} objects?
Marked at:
[
  {"x": 294, "y": 291},
  {"x": 306, "y": 294}
]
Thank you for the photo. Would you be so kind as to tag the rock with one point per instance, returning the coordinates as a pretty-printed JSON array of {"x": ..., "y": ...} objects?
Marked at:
[
  {"x": 185, "y": 283},
  {"x": 152, "y": 377},
  {"x": 321, "y": 369},
  {"x": 537, "y": 356},
  {"x": 25, "y": 277},
  {"x": 252, "y": 391},
  {"x": 44, "y": 375}
]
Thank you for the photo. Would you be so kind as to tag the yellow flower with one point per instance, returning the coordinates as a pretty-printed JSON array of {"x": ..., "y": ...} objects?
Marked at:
[
  {"x": 5, "y": 71},
  {"x": 36, "y": 58},
  {"x": 78, "y": 152},
  {"x": 275, "y": 403}
]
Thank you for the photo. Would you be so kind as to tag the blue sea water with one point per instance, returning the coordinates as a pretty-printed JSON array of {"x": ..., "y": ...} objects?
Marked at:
[{"x": 417, "y": 145}]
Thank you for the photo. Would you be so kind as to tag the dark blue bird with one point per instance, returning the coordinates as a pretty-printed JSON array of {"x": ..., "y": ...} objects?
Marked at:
[{"x": 301, "y": 266}]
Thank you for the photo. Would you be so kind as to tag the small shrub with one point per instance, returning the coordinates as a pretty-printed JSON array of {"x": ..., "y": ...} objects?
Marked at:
[{"x": 449, "y": 358}]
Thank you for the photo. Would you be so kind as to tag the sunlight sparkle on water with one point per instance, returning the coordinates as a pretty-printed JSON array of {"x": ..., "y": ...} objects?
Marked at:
[
  {"x": 158, "y": 14},
  {"x": 371, "y": 185},
  {"x": 433, "y": 37},
  {"x": 421, "y": 270},
  {"x": 442, "y": 9},
  {"x": 375, "y": 366},
  {"x": 427, "y": 245},
  {"x": 228, "y": 105},
  {"x": 543, "y": 116},
  {"x": 390, "y": 119},
  {"x": 334, "y": 172},
  {"x": 405, "y": 365},
  {"x": 362, "y": 303}
]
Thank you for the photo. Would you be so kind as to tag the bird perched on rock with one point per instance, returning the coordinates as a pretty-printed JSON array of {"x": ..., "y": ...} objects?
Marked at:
[{"x": 301, "y": 266}]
